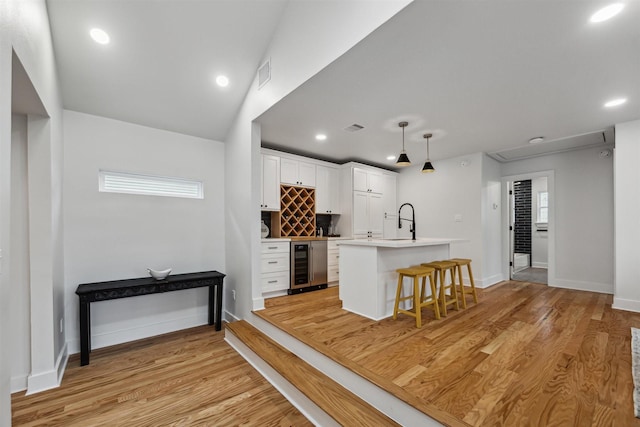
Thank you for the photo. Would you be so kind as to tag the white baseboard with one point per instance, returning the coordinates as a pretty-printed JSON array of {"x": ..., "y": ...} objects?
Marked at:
[
  {"x": 626, "y": 304},
  {"x": 485, "y": 282},
  {"x": 603, "y": 288},
  {"x": 305, "y": 405},
  {"x": 139, "y": 332},
  {"x": 50, "y": 379},
  {"x": 19, "y": 383},
  {"x": 539, "y": 265},
  {"x": 258, "y": 304},
  {"x": 230, "y": 317}
]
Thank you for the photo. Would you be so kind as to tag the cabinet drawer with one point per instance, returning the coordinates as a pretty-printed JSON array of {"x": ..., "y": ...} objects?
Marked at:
[
  {"x": 275, "y": 281},
  {"x": 333, "y": 275},
  {"x": 332, "y": 245},
  {"x": 275, "y": 247},
  {"x": 333, "y": 258},
  {"x": 275, "y": 262}
]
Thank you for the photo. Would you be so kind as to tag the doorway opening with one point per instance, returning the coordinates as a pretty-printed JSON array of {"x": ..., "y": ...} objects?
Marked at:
[{"x": 530, "y": 222}]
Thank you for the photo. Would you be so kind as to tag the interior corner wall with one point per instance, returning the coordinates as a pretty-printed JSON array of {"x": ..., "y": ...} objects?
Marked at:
[
  {"x": 448, "y": 205},
  {"x": 24, "y": 29},
  {"x": 583, "y": 196},
  {"x": 20, "y": 313},
  {"x": 111, "y": 236},
  {"x": 491, "y": 222},
  {"x": 627, "y": 211},
  {"x": 309, "y": 36}
]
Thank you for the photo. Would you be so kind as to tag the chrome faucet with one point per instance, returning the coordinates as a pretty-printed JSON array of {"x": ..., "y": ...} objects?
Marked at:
[{"x": 412, "y": 229}]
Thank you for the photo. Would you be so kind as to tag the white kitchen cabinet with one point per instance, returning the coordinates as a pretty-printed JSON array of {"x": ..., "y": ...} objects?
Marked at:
[
  {"x": 327, "y": 201},
  {"x": 389, "y": 195},
  {"x": 295, "y": 172},
  {"x": 275, "y": 263},
  {"x": 333, "y": 262},
  {"x": 270, "y": 183},
  {"x": 367, "y": 180},
  {"x": 368, "y": 215}
]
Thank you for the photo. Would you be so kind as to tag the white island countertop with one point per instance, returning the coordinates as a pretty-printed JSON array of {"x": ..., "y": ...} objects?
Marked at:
[{"x": 401, "y": 243}]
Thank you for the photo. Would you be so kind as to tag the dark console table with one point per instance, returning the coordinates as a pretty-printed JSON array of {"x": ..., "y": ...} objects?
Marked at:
[{"x": 103, "y": 291}]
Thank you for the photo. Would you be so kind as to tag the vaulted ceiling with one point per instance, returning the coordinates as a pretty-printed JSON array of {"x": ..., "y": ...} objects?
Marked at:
[{"x": 480, "y": 76}]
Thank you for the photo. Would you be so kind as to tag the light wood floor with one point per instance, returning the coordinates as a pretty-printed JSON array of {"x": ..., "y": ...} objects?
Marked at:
[
  {"x": 526, "y": 354},
  {"x": 186, "y": 378}
]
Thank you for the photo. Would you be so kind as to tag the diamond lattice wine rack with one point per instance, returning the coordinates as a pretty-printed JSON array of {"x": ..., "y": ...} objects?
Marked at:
[{"x": 297, "y": 211}]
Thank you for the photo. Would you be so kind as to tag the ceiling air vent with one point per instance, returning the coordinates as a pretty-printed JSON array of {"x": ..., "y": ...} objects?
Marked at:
[
  {"x": 575, "y": 142},
  {"x": 264, "y": 73},
  {"x": 354, "y": 128}
]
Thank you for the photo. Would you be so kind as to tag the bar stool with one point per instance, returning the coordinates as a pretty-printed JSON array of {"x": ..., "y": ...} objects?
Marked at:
[
  {"x": 442, "y": 267},
  {"x": 418, "y": 298},
  {"x": 463, "y": 293}
]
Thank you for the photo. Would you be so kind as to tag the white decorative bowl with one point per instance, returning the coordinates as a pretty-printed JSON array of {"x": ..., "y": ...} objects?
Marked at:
[{"x": 159, "y": 274}]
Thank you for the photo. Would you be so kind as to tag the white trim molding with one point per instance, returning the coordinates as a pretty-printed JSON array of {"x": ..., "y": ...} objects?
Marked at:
[
  {"x": 603, "y": 288},
  {"x": 626, "y": 304},
  {"x": 49, "y": 379}
]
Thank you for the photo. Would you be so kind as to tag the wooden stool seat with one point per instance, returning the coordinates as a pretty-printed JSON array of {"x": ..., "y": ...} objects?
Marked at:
[
  {"x": 418, "y": 297},
  {"x": 442, "y": 267},
  {"x": 460, "y": 262}
]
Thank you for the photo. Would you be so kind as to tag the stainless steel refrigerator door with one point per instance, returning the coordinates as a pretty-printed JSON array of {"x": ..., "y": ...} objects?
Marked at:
[{"x": 318, "y": 262}]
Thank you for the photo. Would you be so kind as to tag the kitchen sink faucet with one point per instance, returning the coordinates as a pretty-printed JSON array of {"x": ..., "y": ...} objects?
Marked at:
[{"x": 412, "y": 229}]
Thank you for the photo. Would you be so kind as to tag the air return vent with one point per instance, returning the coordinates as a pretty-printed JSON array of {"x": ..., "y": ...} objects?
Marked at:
[
  {"x": 264, "y": 73},
  {"x": 555, "y": 146},
  {"x": 354, "y": 128}
]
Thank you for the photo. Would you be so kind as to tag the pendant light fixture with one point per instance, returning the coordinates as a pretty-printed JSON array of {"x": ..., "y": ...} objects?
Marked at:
[
  {"x": 403, "y": 159},
  {"x": 428, "y": 167}
]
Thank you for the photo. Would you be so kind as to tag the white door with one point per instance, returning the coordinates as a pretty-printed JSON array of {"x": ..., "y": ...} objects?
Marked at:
[
  {"x": 323, "y": 190},
  {"x": 307, "y": 174},
  {"x": 360, "y": 180},
  {"x": 288, "y": 171}
]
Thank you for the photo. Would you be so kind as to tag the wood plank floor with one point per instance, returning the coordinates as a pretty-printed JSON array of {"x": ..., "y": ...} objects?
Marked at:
[
  {"x": 526, "y": 354},
  {"x": 185, "y": 378}
]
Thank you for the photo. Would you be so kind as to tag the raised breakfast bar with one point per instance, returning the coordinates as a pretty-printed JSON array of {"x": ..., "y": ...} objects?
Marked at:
[{"x": 368, "y": 277}]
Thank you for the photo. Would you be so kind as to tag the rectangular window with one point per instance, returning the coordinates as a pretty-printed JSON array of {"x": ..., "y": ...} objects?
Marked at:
[
  {"x": 543, "y": 206},
  {"x": 131, "y": 183}
]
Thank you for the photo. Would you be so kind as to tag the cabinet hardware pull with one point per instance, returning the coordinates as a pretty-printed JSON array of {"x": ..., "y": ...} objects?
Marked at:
[
  {"x": 273, "y": 262},
  {"x": 272, "y": 281},
  {"x": 273, "y": 247}
]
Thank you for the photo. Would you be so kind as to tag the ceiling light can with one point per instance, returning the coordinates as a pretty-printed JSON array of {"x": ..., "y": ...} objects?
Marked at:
[
  {"x": 99, "y": 36},
  {"x": 607, "y": 12},
  {"x": 222, "y": 81},
  {"x": 615, "y": 102}
]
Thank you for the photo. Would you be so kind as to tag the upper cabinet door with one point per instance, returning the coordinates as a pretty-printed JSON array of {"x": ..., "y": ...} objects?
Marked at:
[
  {"x": 326, "y": 190},
  {"x": 360, "y": 180},
  {"x": 307, "y": 174},
  {"x": 369, "y": 181},
  {"x": 288, "y": 171},
  {"x": 270, "y": 183},
  {"x": 376, "y": 183},
  {"x": 297, "y": 173}
]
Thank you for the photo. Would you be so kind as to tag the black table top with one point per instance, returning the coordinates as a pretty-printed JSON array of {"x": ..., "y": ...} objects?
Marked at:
[{"x": 86, "y": 288}]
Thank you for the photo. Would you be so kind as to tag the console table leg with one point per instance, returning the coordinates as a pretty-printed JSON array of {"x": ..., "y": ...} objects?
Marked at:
[
  {"x": 212, "y": 304},
  {"x": 219, "y": 306},
  {"x": 85, "y": 337}
]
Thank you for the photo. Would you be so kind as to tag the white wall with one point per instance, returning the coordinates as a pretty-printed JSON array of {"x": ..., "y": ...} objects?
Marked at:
[
  {"x": 492, "y": 257},
  {"x": 20, "y": 339},
  {"x": 453, "y": 190},
  {"x": 627, "y": 212},
  {"x": 583, "y": 194},
  {"x": 24, "y": 28},
  {"x": 309, "y": 36},
  {"x": 539, "y": 239},
  {"x": 112, "y": 236}
]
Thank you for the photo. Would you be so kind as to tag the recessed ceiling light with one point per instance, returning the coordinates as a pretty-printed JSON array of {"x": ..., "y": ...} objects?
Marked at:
[
  {"x": 536, "y": 140},
  {"x": 99, "y": 36},
  {"x": 222, "y": 81},
  {"x": 615, "y": 102},
  {"x": 321, "y": 137},
  {"x": 391, "y": 157},
  {"x": 607, "y": 12}
]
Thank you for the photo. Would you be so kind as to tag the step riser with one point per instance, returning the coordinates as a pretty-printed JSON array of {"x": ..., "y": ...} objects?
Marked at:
[
  {"x": 387, "y": 403},
  {"x": 306, "y": 406}
]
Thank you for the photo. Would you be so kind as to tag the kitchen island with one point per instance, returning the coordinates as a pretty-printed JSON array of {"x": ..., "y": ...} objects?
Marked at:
[{"x": 368, "y": 277}]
